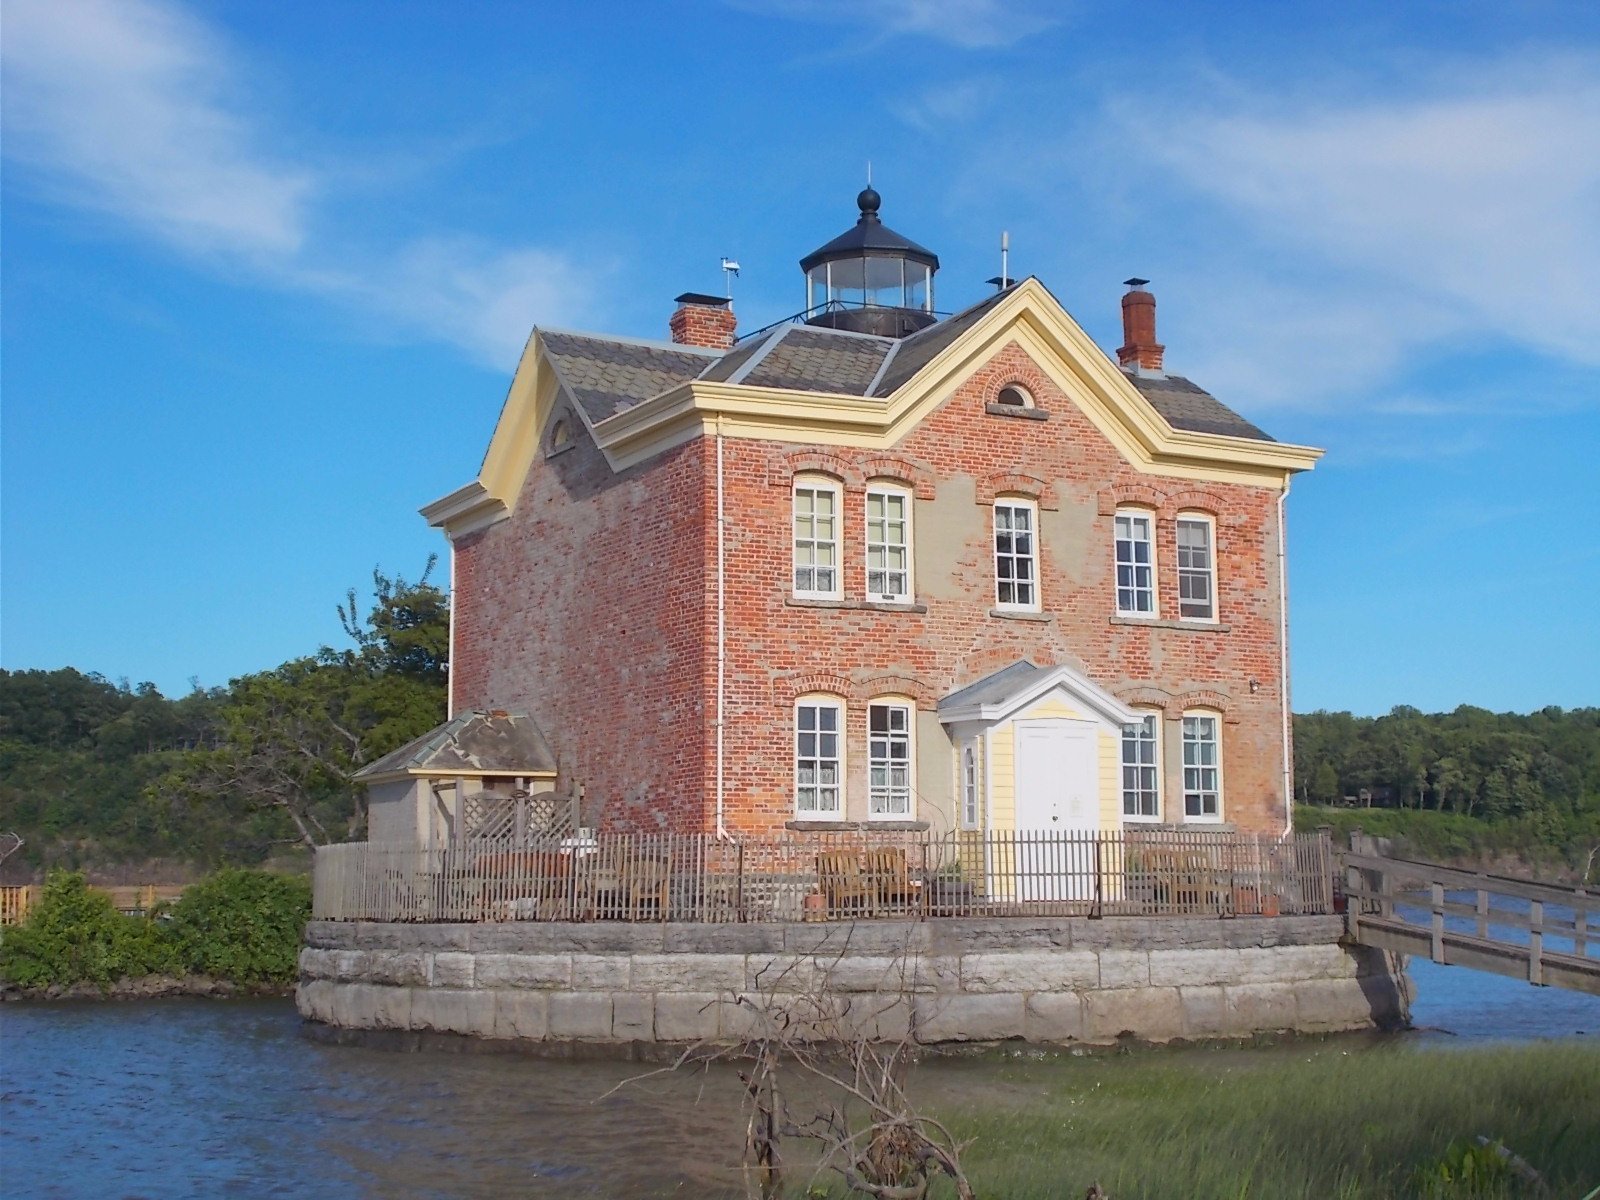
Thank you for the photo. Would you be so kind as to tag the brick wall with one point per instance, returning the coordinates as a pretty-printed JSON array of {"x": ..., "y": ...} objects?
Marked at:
[{"x": 593, "y": 608}]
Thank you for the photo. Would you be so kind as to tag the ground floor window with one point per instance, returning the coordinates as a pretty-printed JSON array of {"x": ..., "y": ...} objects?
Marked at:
[
  {"x": 819, "y": 755},
  {"x": 1141, "y": 771},
  {"x": 1202, "y": 768},
  {"x": 889, "y": 760},
  {"x": 969, "y": 787}
]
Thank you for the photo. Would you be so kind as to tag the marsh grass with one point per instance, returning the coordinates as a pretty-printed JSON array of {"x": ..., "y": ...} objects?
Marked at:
[{"x": 1318, "y": 1122}]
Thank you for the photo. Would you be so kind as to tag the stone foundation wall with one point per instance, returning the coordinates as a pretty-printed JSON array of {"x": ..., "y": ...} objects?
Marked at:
[{"x": 1049, "y": 981}]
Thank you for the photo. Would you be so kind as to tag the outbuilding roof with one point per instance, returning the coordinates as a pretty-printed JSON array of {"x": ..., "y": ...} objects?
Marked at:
[{"x": 471, "y": 743}]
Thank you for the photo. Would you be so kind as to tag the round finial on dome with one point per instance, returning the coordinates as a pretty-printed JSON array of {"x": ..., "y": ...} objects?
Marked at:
[{"x": 869, "y": 201}]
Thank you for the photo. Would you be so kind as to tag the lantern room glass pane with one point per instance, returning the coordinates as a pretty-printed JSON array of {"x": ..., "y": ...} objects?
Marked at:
[
  {"x": 817, "y": 286},
  {"x": 917, "y": 287},
  {"x": 885, "y": 282},
  {"x": 847, "y": 281}
]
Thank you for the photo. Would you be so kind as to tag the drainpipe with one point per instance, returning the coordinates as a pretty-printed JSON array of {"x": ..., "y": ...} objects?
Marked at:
[
  {"x": 722, "y": 635},
  {"x": 450, "y": 680},
  {"x": 1283, "y": 659}
]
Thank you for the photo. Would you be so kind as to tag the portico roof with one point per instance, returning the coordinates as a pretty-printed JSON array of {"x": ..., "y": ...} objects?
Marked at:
[{"x": 1015, "y": 688}]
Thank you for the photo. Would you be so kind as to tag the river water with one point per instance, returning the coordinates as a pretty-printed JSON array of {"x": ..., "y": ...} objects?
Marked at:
[{"x": 179, "y": 1098}]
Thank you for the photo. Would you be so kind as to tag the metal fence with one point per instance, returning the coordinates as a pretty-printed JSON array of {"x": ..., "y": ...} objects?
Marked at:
[{"x": 827, "y": 876}]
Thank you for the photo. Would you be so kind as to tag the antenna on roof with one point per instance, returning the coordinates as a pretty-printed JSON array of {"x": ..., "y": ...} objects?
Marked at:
[
  {"x": 729, "y": 270},
  {"x": 1003, "y": 280}
]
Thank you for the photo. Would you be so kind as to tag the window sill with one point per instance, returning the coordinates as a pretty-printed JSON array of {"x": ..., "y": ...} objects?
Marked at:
[
  {"x": 1193, "y": 825},
  {"x": 1021, "y": 614},
  {"x": 1187, "y": 626},
  {"x": 1012, "y": 410},
  {"x": 869, "y": 605},
  {"x": 829, "y": 825}
]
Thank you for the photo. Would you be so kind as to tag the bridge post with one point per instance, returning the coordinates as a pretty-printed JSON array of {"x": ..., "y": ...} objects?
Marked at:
[
  {"x": 1483, "y": 913},
  {"x": 1580, "y": 923},
  {"x": 1438, "y": 922},
  {"x": 1536, "y": 942}
]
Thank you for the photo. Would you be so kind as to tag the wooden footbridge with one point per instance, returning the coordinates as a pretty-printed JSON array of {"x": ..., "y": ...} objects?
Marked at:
[{"x": 1533, "y": 931}]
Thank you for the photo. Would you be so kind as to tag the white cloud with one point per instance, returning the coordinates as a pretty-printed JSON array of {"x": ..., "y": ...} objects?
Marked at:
[
  {"x": 1468, "y": 215},
  {"x": 136, "y": 110},
  {"x": 934, "y": 109},
  {"x": 966, "y": 24}
]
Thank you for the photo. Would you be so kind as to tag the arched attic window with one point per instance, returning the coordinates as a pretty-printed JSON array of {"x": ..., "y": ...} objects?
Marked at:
[
  {"x": 1014, "y": 395},
  {"x": 560, "y": 436}
]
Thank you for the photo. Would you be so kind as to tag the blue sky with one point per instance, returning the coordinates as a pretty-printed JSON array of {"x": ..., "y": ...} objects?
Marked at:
[{"x": 267, "y": 269}]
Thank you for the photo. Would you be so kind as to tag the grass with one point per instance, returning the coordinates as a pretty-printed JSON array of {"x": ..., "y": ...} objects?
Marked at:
[{"x": 1312, "y": 1122}]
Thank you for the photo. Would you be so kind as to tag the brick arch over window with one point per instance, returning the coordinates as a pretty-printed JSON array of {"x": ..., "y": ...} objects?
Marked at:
[
  {"x": 896, "y": 685},
  {"x": 1135, "y": 495},
  {"x": 1208, "y": 503},
  {"x": 1146, "y": 697},
  {"x": 1208, "y": 698},
  {"x": 1013, "y": 367},
  {"x": 802, "y": 462},
  {"x": 916, "y": 476},
  {"x": 786, "y": 689},
  {"x": 1004, "y": 483}
]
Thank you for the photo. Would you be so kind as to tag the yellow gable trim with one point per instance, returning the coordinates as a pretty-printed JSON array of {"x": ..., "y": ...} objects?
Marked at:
[{"x": 1028, "y": 316}]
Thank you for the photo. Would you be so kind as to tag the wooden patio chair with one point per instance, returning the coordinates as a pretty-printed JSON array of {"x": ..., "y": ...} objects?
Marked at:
[
  {"x": 889, "y": 878},
  {"x": 846, "y": 888},
  {"x": 1196, "y": 882},
  {"x": 646, "y": 884}
]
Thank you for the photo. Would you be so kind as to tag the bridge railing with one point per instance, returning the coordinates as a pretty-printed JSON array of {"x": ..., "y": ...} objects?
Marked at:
[
  {"x": 1419, "y": 907},
  {"x": 827, "y": 876}
]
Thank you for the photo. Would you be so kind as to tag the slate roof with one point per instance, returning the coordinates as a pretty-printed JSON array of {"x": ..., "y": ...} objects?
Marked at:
[
  {"x": 811, "y": 359},
  {"x": 1188, "y": 406},
  {"x": 607, "y": 375},
  {"x": 994, "y": 688},
  {"x": 472, "y": 743}
]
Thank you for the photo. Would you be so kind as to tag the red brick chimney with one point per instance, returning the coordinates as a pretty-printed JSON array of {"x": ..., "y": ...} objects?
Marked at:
[
  {"x": 1139, "y": 350},
  {"x": 702, "y": 320}
]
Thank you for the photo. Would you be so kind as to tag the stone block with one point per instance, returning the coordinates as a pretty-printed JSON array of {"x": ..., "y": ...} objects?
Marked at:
[
  {"x": 330, "y": 935},
  {"x": 874, "y": 973},
  {"x": 633, "y": 1017},
  {"x": 521, "y": 1015},
  {"x": 1193, "y": 968},
  {"x": 687, "y": 1017},
  {"x": 600, "y": 972},
  {"x": 524, "y": 971},
  {"x": 1056, "y": 970},
  {"x": 314, "y": 1000},
  {"x": 1261, "y": 1007},
  {"x": 1206, "y": 1013},
  {"x": 519, "y": 937},
  {"x": 350, "y": 966},
  {"x": 880, "y": 1018},
  {"x": 953, "y": 1017},
  {"x": 372, "y": 1006},
  {"x": 780, "y": 973},
  {"x": 1331, "y": 1004},
  {"x": 616, "y": 937},
  {"x": 833, "y": 939},
  {"x": 452, "y": 970},
  {"x": 732, "y": 938},
  {"x": 581, "y": 1016},
  {"x": 979, "y": 934},
  {"x": 319, "y": 964},
  {"x": 1053, "y": 1017},
  {"x": 687, "y": 973},
  {"x": 453, "y": 1010},
  {"x": 1124, "y": 968},
  {"x": 398, "y": 968},
  {"x": 1151, "y": 1014}
]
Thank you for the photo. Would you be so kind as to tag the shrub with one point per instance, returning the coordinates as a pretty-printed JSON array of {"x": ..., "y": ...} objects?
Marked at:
[
  {"x": 76, "y": 936},
  {"x": 242, "y": 925}
]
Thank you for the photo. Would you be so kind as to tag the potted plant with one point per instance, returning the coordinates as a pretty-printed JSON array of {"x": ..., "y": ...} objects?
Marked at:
[{"x": 949, "y": 893}]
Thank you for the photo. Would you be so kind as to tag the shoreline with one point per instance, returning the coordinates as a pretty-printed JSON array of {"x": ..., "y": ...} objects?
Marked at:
[{"x": 150, "y": 987}]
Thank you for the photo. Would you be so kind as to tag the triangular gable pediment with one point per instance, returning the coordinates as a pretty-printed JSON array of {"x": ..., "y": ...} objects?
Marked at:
[{"x": 1015, "y": 689}]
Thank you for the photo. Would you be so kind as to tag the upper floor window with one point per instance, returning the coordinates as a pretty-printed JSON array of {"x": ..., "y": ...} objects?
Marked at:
[
  {"x": 889, "y": 545},
  {"x": 1141, "y": 769},
  {"x": 889, "y": 759},
  {"x": 969, "y": 787},
  {"x": 1014, "y": 395},
  {"x": 1016, "y": 574},
  {"x": 1202, "y": 767},
  {"x": 816, "y": 540},
  {"x": 819, "y": 758},
  {"x": 1136, "y": 572},
  {"x": 1197, "y": 591}
]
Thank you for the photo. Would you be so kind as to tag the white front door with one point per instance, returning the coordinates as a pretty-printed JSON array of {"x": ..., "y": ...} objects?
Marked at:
[{"x": 1058, "y": 802}]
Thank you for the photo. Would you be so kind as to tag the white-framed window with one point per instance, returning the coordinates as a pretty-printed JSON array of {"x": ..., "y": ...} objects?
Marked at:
[
  {"x": 819, "y": 758},
  {"x": 1136, "y": 563},
  {"x": 1197, "y": 568},
  {"x": 1016, "y": 556},
  {"x": 1014, "y": 395},
  {"x": 889, "y": 759},
  {"x": 889, "y": 544},
  {"x": 1141, "y": 769},
  {"x": 969, "y": 786},
  {"x": 816, "y": 540},
  {"x": 1202, "y": 767}
]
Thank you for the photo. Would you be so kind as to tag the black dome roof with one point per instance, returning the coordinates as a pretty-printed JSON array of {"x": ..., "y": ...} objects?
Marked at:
[{"x": 870, "y": 236}]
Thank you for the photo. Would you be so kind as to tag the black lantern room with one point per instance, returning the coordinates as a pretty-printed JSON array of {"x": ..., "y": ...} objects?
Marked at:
[{"x": 869, "y": 279}]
